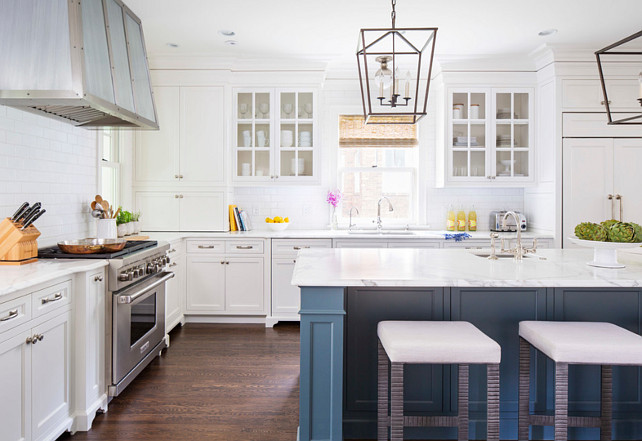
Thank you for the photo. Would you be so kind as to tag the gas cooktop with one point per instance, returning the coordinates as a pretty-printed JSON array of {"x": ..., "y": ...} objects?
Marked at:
[{"x": 131, "y": 247}]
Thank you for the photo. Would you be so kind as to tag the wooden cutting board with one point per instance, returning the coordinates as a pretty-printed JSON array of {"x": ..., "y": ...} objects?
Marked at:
[{"x": 136, "y": 237}]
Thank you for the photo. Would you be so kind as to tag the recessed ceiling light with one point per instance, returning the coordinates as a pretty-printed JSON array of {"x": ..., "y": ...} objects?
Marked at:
[
  {"x": 172, "y": 45},
  {"x": 227, "y": 33},
  {"x": 547, "y": 32},
  {"x": 231, "y": 42}
]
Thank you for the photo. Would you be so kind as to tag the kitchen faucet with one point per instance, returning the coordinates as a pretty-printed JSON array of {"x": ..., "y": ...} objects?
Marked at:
[
  {"x": 519, "y": 250},
  {"x": 379, "y": 210},
  {"x": 350, "y": 224}
]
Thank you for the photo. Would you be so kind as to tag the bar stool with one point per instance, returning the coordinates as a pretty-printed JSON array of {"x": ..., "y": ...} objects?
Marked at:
[
  {"x": 567, "y": 343},
  {"x": 423, "y": 342}
]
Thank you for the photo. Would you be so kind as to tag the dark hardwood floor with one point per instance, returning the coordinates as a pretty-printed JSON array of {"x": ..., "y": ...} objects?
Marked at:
[{"x": 216, "y": 382}]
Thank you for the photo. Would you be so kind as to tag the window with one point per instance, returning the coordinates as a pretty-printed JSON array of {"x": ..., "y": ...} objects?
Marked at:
[
  {"x": 376, "y": 161},
  {"x": 110, "y": 166}
]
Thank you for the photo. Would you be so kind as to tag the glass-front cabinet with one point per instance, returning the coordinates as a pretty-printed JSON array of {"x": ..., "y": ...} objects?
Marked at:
[
  {"x": 489, "y": 137},
  {"x": 275, "y": 135}
]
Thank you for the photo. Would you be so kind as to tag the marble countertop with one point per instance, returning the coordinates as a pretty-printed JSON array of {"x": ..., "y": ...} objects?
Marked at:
[
  {"x": 460, "y": 268},
  {"x": 16, "y": 278},
  {"x": 336, "y": 234}
]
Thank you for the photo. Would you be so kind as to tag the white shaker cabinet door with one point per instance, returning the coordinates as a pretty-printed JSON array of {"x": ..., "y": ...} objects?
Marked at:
[
  {"x": 244, "y": 284},
  {"x": 15, "y": 388},
  {"x": 51, "y": 358},
  {"x": 156, "y": 151},
  {"x": 286, "y": 300},
  {"x": 160, "y": 210},
  {"x": 587, "y": 183},
  {"x": 175, "y": 293},
  {"x": 203, "y": 211},
  {"x": 202, "y": 135},
  {"x": 627, "y": 179},
  {"x": 205, "y": 283}
]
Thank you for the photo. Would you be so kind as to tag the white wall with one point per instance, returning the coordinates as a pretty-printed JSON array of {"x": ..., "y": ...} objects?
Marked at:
[{"x": 47, "y": 161}]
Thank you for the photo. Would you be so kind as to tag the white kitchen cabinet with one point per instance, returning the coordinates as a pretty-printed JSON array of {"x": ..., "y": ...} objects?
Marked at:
[
  {"x": 244, "y": 284},
  {"x": 601, "y": 181},
  {"x": 50, "y": 380},
  {"x": 586, "y": 95},
  {"x": 360, "y": 243},
  {"x": 233, "y": 282},
  {"x": 275, "y": 136},
  {"x": 189, "y": 148},
  {"x": 183, "y": 210},
  {"x": 414, "y": 244},
  {"x": 15, "y": 386},
  {"x": 175, "y": 288},
  {"x": 489, "y": 138},
  {"x": 286, "y": 301},
  {"x": 205, "y": 283}
]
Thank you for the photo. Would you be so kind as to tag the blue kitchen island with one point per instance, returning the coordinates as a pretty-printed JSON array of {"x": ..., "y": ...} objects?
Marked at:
[{"x": 346, "y": 292}]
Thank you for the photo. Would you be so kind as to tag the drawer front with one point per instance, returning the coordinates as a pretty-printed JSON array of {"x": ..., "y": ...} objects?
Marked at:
[
  {"x": 15, "y": 312},
  {"x": 291, "y": 247},
  {"x": 51, "y": 298},
  {"x": 244, "y": 247},
  {"x": 205, "y": 246},
  {"x": 469, "y": 244}
]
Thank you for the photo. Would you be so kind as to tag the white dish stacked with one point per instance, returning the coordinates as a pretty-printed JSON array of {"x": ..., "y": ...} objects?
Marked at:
[
  {"x": 305, "y": 139},
  {"x": 462, "y": 141},
  {"x": 287, "y": 138},
  {"x": 504, "y": 141}
]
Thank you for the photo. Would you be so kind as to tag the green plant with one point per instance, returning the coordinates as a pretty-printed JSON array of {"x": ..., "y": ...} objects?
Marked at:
[{"x": 123, "y": 217}]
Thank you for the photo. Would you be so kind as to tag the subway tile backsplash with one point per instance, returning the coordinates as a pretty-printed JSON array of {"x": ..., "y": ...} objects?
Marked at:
[{"x": 53, "y": 162}]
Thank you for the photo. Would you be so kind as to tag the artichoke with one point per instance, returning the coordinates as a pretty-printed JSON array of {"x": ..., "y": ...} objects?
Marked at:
[
  {"x": 607, "y": 223},
  {"x": 591, "y": 231},
  {"x": 621, "y": 232},
  {"x": 638, "y": 232}
]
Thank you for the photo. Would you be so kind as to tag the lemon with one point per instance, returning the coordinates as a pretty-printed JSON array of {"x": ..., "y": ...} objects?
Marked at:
[
  {"x": 286, "y": 220},
  {"x": 268, "y": 220},
  {"x": 278, "y": 219}
]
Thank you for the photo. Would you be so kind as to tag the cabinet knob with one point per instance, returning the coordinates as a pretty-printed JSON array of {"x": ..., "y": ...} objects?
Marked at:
[
  {"x": 98, "y": 279},
  {"x": 175, "y": 196},
  {"x": 176, "y": 177},
  {"x": 181, "y": 196},
  {"x": 180, "y": 176}
]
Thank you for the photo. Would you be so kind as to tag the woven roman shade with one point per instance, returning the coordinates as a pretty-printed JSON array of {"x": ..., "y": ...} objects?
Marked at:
[{"x": 354, "y": 133}]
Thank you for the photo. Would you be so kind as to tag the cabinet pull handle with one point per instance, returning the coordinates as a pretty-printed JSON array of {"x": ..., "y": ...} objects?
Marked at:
[
  {"x": 602, "y": 102},
  {"x": 55, "y": 298},
  {"x": 294, "y": 261},
  {"x": 619, "y": 198},
  {"x": 244, "y": 247},
  {"x": 172, "y": 264},
  {"x": 207, "y": 247},
  {"x": 172, "y": 250},
  {"x": 12, "y": 314},
  {"x": 610, "y": 198},
  {"x": 98, "y": 279},
  {"x": 300, "y": 248}
]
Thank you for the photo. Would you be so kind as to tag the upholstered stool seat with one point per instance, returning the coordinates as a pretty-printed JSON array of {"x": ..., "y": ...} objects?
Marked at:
[
  {"x": 423, "y": 342},
  {"x": 567, "y": 343}
]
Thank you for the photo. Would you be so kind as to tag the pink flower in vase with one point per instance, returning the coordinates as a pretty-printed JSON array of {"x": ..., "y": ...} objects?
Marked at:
[{"x": 334, "y": 197}]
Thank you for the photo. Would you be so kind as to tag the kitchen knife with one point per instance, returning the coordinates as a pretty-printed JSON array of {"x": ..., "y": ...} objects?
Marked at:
[
  {"x": 32, "y": 219},
  {"x": 31, "y": 211},
  {"x": 19, "y": 212}
]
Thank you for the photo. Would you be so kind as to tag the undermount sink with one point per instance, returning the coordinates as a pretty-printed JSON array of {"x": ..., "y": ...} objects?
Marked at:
[
  {"x": 383, "y": 232},
  {"x": 486, "y": 254}
]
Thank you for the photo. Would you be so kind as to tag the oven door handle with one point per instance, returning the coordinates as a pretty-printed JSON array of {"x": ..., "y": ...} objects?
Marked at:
[{"x": 131, "y": 298}]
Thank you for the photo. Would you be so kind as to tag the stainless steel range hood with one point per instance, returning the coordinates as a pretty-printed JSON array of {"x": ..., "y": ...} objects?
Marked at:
[{"x": 80, "y": 61}]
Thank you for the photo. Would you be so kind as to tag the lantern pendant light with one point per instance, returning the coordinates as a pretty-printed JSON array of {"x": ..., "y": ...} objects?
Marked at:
[
  {"x": 615, "y": 49},
  {"x": 395, "y": 65}
]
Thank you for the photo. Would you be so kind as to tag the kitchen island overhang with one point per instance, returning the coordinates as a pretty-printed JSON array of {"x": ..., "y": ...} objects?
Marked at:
[{"x": 346, "y": 292}]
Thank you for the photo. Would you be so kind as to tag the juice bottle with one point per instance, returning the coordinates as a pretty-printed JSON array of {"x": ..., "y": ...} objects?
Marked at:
[
  {"x": 450, "y": 219},
  {"x": 472, "y": 219},
  {"x": 461, "y": 219}
]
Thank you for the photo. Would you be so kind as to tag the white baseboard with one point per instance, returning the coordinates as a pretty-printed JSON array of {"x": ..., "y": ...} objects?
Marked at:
[{"x": 82, "y": 421}]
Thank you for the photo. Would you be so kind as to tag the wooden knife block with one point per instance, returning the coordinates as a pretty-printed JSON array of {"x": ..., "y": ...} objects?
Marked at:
[{"x": 17, "y": 247}]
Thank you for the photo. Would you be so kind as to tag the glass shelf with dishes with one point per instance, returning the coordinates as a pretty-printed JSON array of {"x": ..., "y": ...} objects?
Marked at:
[{"x": 275, "y": 135}]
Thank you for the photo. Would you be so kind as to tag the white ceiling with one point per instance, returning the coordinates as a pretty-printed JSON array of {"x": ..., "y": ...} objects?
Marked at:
[{"x": 327, "y": 30}]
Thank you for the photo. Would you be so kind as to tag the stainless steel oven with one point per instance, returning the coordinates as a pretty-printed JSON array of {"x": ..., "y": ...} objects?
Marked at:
[{"x": 138, "y": 320}]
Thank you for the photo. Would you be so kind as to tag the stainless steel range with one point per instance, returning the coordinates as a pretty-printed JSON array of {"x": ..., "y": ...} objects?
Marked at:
[{"x": 135, "y": 314}]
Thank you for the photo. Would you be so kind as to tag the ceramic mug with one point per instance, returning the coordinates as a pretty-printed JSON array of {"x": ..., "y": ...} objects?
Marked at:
[
  {"x": 245, "y": 169},
  {"x": 106, "y": 229}
]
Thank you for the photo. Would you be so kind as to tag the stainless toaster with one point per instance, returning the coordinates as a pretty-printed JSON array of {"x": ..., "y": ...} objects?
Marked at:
[{"x": 496, "y": 218}]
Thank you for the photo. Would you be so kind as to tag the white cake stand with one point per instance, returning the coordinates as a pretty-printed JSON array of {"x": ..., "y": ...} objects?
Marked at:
[{"x": 605, "y": 253}]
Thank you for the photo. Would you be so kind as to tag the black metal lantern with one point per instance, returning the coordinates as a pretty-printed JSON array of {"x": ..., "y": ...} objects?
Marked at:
[
  {"x": 391, "y": 64},
  {"x": 611, "y": 50}
]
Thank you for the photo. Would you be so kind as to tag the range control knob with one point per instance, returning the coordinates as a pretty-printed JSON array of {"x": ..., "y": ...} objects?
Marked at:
[
  {"x": 141, "y": 270},
  {"x": 167, "y": 260},
  {"x": 150, "y": 268},
  {"x": 123, "y": 277}
]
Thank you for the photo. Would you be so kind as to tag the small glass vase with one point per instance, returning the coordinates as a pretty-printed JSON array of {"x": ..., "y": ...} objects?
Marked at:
[{"x": 334, "y": 223}]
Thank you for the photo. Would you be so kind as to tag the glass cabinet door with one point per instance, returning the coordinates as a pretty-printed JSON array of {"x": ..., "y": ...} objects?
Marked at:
[
  {"x": 512, "y": 134},
  {"x": 296, "y": 136},
  {"x": 253, "y": 134},
  {"x": 468, "y": 143}
]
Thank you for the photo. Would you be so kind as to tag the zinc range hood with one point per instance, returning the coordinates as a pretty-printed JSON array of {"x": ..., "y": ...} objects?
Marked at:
[{"x": 80, "y": 61}]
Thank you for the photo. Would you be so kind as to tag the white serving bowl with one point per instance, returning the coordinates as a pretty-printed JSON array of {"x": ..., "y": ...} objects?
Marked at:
[
  {"x": 605, "y": 253},
  {"x": 278, "y": 227}
]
